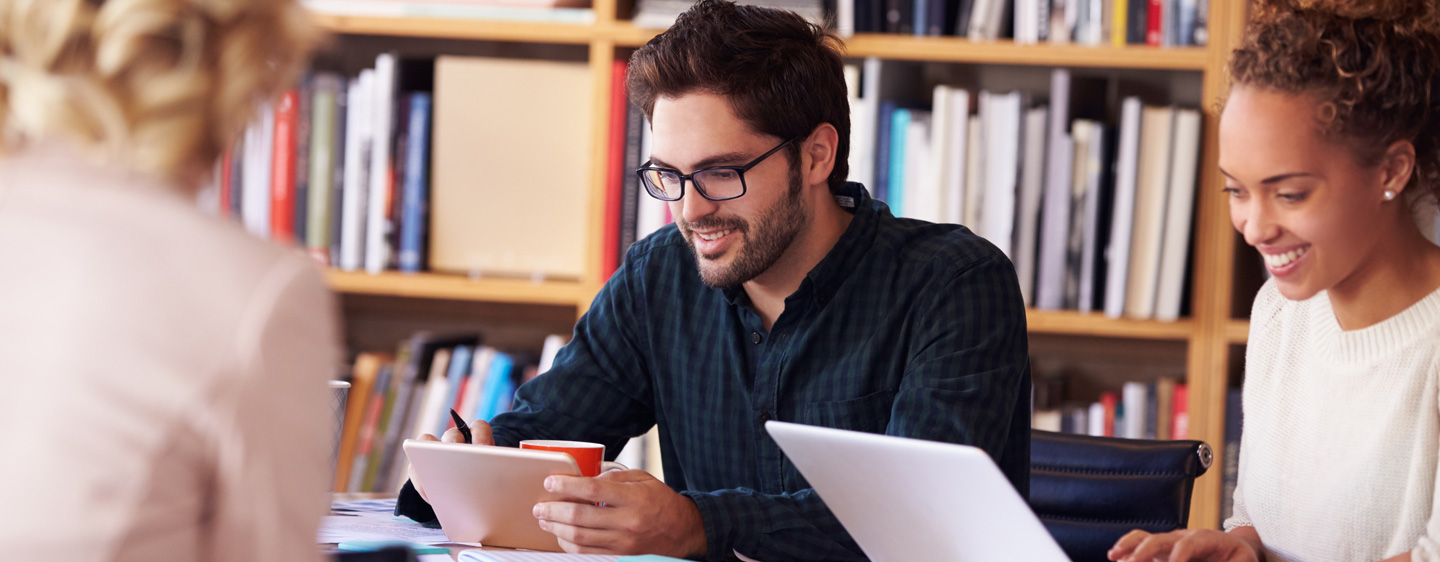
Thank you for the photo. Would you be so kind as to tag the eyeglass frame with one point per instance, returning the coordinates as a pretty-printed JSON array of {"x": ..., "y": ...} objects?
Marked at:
[{"x": 690, "y": 177}]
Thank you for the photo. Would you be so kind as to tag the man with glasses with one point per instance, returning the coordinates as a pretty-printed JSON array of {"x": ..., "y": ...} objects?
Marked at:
[{"x": 781, "y": 292}]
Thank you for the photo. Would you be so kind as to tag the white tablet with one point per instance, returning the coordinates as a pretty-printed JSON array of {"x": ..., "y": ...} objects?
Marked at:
[{"x": 484, "y": 494}]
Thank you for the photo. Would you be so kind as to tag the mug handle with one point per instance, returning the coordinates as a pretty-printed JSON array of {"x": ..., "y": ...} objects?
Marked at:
[{"x": 608, "y": 466}]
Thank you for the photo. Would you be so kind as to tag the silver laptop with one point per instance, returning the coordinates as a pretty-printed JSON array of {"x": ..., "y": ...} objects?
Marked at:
[{"x": 906, "y": 499}]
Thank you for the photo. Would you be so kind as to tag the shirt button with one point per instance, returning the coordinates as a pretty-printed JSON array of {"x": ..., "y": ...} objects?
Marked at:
[
  {"x": 755, "y": 337},
  {"x": 764, "y": 417}
]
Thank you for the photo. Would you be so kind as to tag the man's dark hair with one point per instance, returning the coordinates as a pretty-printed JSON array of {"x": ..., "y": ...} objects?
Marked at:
[{"x": 782, "y": 75}]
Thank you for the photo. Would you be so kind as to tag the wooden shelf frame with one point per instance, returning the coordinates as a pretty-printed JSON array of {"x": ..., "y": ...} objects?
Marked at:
[{"x": 1209, "y": 333}]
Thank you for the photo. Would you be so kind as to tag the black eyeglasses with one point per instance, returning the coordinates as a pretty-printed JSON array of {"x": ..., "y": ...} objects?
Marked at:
[{"x": 720, "y": 183}]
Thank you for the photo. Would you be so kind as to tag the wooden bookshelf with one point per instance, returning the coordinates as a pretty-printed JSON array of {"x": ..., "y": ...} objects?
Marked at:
[
  {"x": 457, "y": 287},
  {"x": 1072, "y": 323},
  {"x": 1208, "y": 334}
]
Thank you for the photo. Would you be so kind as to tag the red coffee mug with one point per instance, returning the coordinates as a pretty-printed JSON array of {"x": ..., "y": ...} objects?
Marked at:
[{"x": 589, "y": 456}]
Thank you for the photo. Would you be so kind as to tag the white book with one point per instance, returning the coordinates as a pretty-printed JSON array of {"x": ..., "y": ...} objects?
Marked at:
[
  {"x": 653, "y": 463},
  {"x": 357, "y": 172},
  {"x": 1045, "y": 420},
  {"x": 956, "y": 156},
  {"x": 632, "y": 455},
  {"x": 1080, "y": 135},
  {"x": 1152, "y": 182},
  {"x": 1097, "y": 420},
  {"x": 1179, "y": 210},
  {"x": 922, "y": 196},
  {"x": 1135, "y": 397},
  {"x": 377, "y": 243},
  {"x": 1122, "y": 218},
  {"x": 1090, "y": 250},
  {"x": 1002, "y": 147},
  {"x": 479, "y": 371},
  {"x": 433, "y": 409},
  {"x": 548, "y": 351},
  {"x": 1055, "y": 210},
  {"x": 650, "y": 213},
  {"x": 1024, "y": 31},
  {"x": 941, "y": 138},
  {"x": 845, "y": 18},
  {"x": 1032, "y": 185},
  {"x": 974, "y": 193},
  {"x": 255, "y": 180},
  {"x": 979, "y": 15},
  {"x": 862, "y": 128}
]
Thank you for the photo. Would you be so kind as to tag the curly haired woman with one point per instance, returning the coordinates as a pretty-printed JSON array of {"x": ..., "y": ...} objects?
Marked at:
[
  {"x": 1329, "y": 141},
  {"x": 164, "y": 394}
]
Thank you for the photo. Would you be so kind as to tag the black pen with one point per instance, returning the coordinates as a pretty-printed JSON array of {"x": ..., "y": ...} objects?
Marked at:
[{"x": 460, "y": 424}]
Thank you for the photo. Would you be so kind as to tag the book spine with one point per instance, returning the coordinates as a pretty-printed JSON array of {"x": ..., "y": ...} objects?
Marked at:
[
  {"x": 1180, "y": 406},
  {"x": 1136, "y": 20},
  {"x": 1154, "y": 23},
  {"x": 615, "y": 176},
  {"x": 282, "y": 179},
  {"x": 337, "y": 178},
  {"x": 304, "y": 104},
  {"x": 321, "y": 171},
  {"x": 1230, "y": 456},
  {"x": 633, "y": 192},
  {"x": 416, "y": 195},
  {"x": 357, "y": 168},
  {"x": 377, "y": 251}
]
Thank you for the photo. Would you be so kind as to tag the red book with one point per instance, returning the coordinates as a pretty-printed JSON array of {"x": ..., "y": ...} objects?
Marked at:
[
  {"x": 1108, "y": 400},
  {"x": 1180, "y": 427},
  {"x": 282, "y": 177},
  {"x": 614, "y": 175},
  {"x": 1154, "y": 19},
  {"x": 227, "y": 187}
]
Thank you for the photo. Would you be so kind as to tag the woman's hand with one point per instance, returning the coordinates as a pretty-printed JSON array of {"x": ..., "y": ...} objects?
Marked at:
[{"x": 1198, "y": 545}]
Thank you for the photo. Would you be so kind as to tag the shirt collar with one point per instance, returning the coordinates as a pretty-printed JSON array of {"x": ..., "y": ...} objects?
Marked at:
[{"x": 822, "y": 281}]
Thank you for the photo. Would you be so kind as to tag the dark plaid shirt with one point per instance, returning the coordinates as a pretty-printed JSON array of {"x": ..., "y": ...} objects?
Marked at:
[{"x": 905, "y": 328}]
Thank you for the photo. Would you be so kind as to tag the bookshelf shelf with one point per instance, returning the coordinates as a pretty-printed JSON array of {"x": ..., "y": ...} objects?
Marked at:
[
  {"x": 451, "y": 28},
  {"x": 1069, "y": 322},
  {"x": 455, "y": 287},
  {"x": 1237, "y": 331}
]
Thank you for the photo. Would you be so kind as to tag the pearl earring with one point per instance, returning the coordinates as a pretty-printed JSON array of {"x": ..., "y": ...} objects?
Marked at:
[{"x": 1389, "y": 195}]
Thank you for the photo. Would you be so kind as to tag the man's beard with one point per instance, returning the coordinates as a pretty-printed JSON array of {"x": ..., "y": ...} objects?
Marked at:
[{"x": 773, "y": 233}]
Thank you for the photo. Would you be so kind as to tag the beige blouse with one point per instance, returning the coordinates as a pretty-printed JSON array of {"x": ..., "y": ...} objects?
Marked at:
[{"x": 164, "y": 392}]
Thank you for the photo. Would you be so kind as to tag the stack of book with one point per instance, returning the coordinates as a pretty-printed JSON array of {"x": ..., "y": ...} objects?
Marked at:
[
  {"x": 1157, "y": 23},
  {"x": 1159, "y": 409},
  {"x": 1094, "y": 211},
  {"x": 399, "y": 396}
]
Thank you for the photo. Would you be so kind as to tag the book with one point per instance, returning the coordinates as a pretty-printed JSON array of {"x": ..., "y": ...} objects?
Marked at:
[
  {"x": 1180, "y": 412},
  {"x": 1117, "y": 253},
  {"x": 455, "y": 377},
  {"x": 1055, "y": 210},
  {"x": 922, "y": 193},
  {"x": 898, "y": 183},
  {"x": 1179, "y": 211},
  {"x": 486, "y": 214},
  {"x": 282, "y": 178},
  {"x": 1032, "y": 187},
  {"x": 358, "y": 130},
  {"x": 414, "y": 224},
  {"x": 1152, "y": 184},
  {"x": 337, "y": 177},
  {"x": 614, "y": 173},
  {"x": 956, "y": 156},
  {"x": 1135, "y": 396},
  {"x": 357, "y": 402},
  {"x": 974, "y": 194},
  {"x": 382, "y": 123},
  {"x": 412, "y": 363},
  {"x": 367, "y": 457},
  {"x": 324, "y": 111},
  {"x": 1164, "y": 407},
  {"x": 259, "y": 150},
  {"x": 305, "y": 116},
  {"x": 1001, "y": 114},
  {"x": 633, "y": 193},
  {"x": 1096, "y": 219}
]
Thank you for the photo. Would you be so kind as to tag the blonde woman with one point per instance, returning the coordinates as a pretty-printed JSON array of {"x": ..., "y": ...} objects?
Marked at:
[
  {"x": 163, "y": 373},
  {"x": 1328, "y": 142}
]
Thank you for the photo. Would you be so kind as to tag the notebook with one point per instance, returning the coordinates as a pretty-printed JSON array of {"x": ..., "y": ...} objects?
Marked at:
[{"x": 907, "y": 499}]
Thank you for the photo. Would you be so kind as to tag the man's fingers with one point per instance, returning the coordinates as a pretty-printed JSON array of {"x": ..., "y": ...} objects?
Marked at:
[
  {"x": 480, "y": 433},
  {"x": 1152, "y": 546},
  {"x": 582, "y": 489},
  {"x": 621, "y": 476},
  {"x": 1126, "y": 544},
  {"x": 583, "y": 540}
]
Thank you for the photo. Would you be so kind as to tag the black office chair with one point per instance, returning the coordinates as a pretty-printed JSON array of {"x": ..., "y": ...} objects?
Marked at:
[{"x": 1090, "y": 491}]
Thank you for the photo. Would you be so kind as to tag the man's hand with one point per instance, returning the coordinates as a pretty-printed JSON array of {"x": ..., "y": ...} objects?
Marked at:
[
  {"x": 639, "y": 515},
  {"x": 479, "y": 431},
  {"x": 1197, "y": 545}
]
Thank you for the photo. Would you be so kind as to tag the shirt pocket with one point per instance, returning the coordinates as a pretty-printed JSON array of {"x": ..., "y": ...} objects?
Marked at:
[{"x": 869, "y": 413}]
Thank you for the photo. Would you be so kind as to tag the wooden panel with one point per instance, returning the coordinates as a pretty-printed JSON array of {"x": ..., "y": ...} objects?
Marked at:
[
  {"x": 455, "y": 287},
  {"x": 1237, "y": 331}
]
